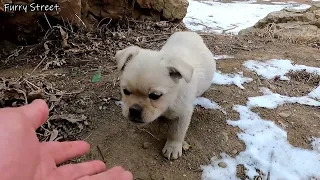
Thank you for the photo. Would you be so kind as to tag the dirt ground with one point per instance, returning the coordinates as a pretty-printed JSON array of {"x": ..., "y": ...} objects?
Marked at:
[{"x": 68, "y": 88}]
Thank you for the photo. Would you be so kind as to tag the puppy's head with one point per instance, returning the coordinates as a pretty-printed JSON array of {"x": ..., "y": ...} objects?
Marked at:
[{"x": 149, "y": 82}]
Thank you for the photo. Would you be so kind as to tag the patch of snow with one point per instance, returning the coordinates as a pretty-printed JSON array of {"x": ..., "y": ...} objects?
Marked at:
[
  {"x": 119, "y": 103},
  {"x": 273, "y": 100},
  {"x": 315, "y": 142},
  {"x": 315, "y": 94},
  {"x": 244, "y": 2},
  {"x": 214, "y": 172},
  {"x": 228, "y": 79},
  {"x": 219, "y": 57},
  {"x": 267, "y": 149},
  {"x": 279, "y": 2},
  {"x": 277, "y": 67},
  {"x": 299, "y": 6},
  {"x": 210, "y": 16},
  {"x": 208, "y": 104}
]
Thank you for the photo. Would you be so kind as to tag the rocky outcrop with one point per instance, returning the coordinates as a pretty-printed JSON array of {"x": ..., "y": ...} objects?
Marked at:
[
  {"x": 291, "y": 24},
  {"x": 85, "y": 13}
]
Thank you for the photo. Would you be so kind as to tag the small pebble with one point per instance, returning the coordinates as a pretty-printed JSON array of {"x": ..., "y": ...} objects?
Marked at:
[
  {"x": 186, "y": 146},
  {"x": 284, "y": 114},
  {"x": 146, "y": 145},
  {"x": 234, "y": 152},
  {"x": 86, "y": 123},
  {"x": 222, "y": 164}
]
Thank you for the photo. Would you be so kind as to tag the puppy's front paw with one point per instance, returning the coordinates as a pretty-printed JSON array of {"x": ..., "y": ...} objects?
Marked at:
[{"x": 172, "y": 149}]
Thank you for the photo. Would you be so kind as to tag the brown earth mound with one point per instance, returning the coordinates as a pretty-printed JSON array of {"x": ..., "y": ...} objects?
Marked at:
[
  {"x": 23, "y": 26},
  {"x": 294, "y": 25}
]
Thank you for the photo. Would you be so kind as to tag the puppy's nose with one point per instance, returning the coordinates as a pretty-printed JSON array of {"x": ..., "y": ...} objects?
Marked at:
[{"x": 135, "y": 113}]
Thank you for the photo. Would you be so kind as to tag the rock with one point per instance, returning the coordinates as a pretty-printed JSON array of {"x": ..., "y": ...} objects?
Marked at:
[
  {"x": 146, "y": 145},
  {"x": 70, "y": 11},
  {"x": 185, "y": 146},
  {"x": 7, "y": 47},
  {"x": 284, "y": 114},
  {"x": 222, "y": 165},
  {"x": 234, "y": 152},
  {"x": 157, "y": 5},
  {"x": 175, "y": 9},
  {"x": 296, "y": 25}
]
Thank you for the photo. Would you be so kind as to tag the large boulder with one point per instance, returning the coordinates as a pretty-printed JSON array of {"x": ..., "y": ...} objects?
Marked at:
[
  {"x": 296, "y": 25},
  {"x": 21, "y": 26}
]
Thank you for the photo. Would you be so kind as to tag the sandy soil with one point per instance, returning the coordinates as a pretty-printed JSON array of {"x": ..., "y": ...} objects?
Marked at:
[{"x": 117, "y": 142}]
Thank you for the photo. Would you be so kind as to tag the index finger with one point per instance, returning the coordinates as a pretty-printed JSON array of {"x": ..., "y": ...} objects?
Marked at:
[{"x": 37, "y": 112}]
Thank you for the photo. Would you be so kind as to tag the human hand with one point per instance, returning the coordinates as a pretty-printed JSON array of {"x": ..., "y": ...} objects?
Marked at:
[{"x": 22, "y": 156}]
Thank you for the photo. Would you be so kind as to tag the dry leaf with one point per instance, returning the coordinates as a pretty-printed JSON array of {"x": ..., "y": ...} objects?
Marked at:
[
  {"x": 80, "y": 126},
  {"x": 46, "y": 47},
  {"x": 73, "y": 118},
  {"x": 53, "y": 135},
  {"x": 64, "y": 36},
  {"x": 53, "y": 98}
]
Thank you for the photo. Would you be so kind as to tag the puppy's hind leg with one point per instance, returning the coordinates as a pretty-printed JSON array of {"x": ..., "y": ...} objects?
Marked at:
[{"x": 176, "y": 134}]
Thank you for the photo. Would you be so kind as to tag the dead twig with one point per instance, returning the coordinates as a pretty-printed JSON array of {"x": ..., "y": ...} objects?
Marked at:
[
  {"x": 100, "y": 152},
  {"x": 271, "y": 159},
  {"x": 102, "y": 21},
  {"x": 81, "y": 20},
  {"x": 149, "y": 133},
  {"x": 225, "y": 30},
  {"x": 87, "y": 137},
  {"x": 45, "y": 16},
  {"x": 24, "y": 94},
  {"x": 45, "y": 57}
]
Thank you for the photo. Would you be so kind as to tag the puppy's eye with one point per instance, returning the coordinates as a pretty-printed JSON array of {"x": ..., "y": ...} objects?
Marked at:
[
  {"x": 126, "y": 92},
  {"x": 154, "y": 96}
]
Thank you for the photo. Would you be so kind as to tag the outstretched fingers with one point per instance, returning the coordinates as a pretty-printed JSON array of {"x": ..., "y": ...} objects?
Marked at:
[
  {"x": 76, "y": 171},
  {"x": 63, "y": 151},
  {"x": 116, "y": 173}
]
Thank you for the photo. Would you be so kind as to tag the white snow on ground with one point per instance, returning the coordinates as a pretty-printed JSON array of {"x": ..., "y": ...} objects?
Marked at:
[
  {"x": 220, "y": 57},
  {"x": 210, "y": 16},
  {"x": 315, "y": 142},
  {"x": 315, "y": 93},
  {"x": 267, "y": 149},
  {"x": 267, "y": 146},
  {"x": 208, "y": 104},
  {"x": 228, "y": 79},
  {"x": 277, "y": 67},
  {"x": 272, "y": 100}
]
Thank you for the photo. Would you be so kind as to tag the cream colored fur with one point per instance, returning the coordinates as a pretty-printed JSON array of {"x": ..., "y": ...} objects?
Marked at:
[{"x": 182, "y": 70}]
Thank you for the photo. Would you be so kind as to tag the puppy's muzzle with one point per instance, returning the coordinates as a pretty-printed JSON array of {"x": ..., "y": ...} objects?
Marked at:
[{"x": 135, "y": 112}]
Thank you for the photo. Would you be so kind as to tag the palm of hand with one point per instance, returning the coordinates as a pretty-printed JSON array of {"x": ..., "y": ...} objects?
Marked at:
[{"x": 22, "y": 156}]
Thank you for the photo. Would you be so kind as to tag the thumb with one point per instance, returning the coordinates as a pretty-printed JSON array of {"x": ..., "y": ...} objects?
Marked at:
[{"x": 37, "y": 112}]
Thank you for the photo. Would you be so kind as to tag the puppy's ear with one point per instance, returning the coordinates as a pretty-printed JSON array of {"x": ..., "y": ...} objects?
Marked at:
[
  {"x": 124, "y": 55},
  {"x": 179, "y": 69}
]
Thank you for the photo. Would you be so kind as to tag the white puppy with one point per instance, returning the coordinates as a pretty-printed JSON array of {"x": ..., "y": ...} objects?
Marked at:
[{"x": 165, "y": 83}]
